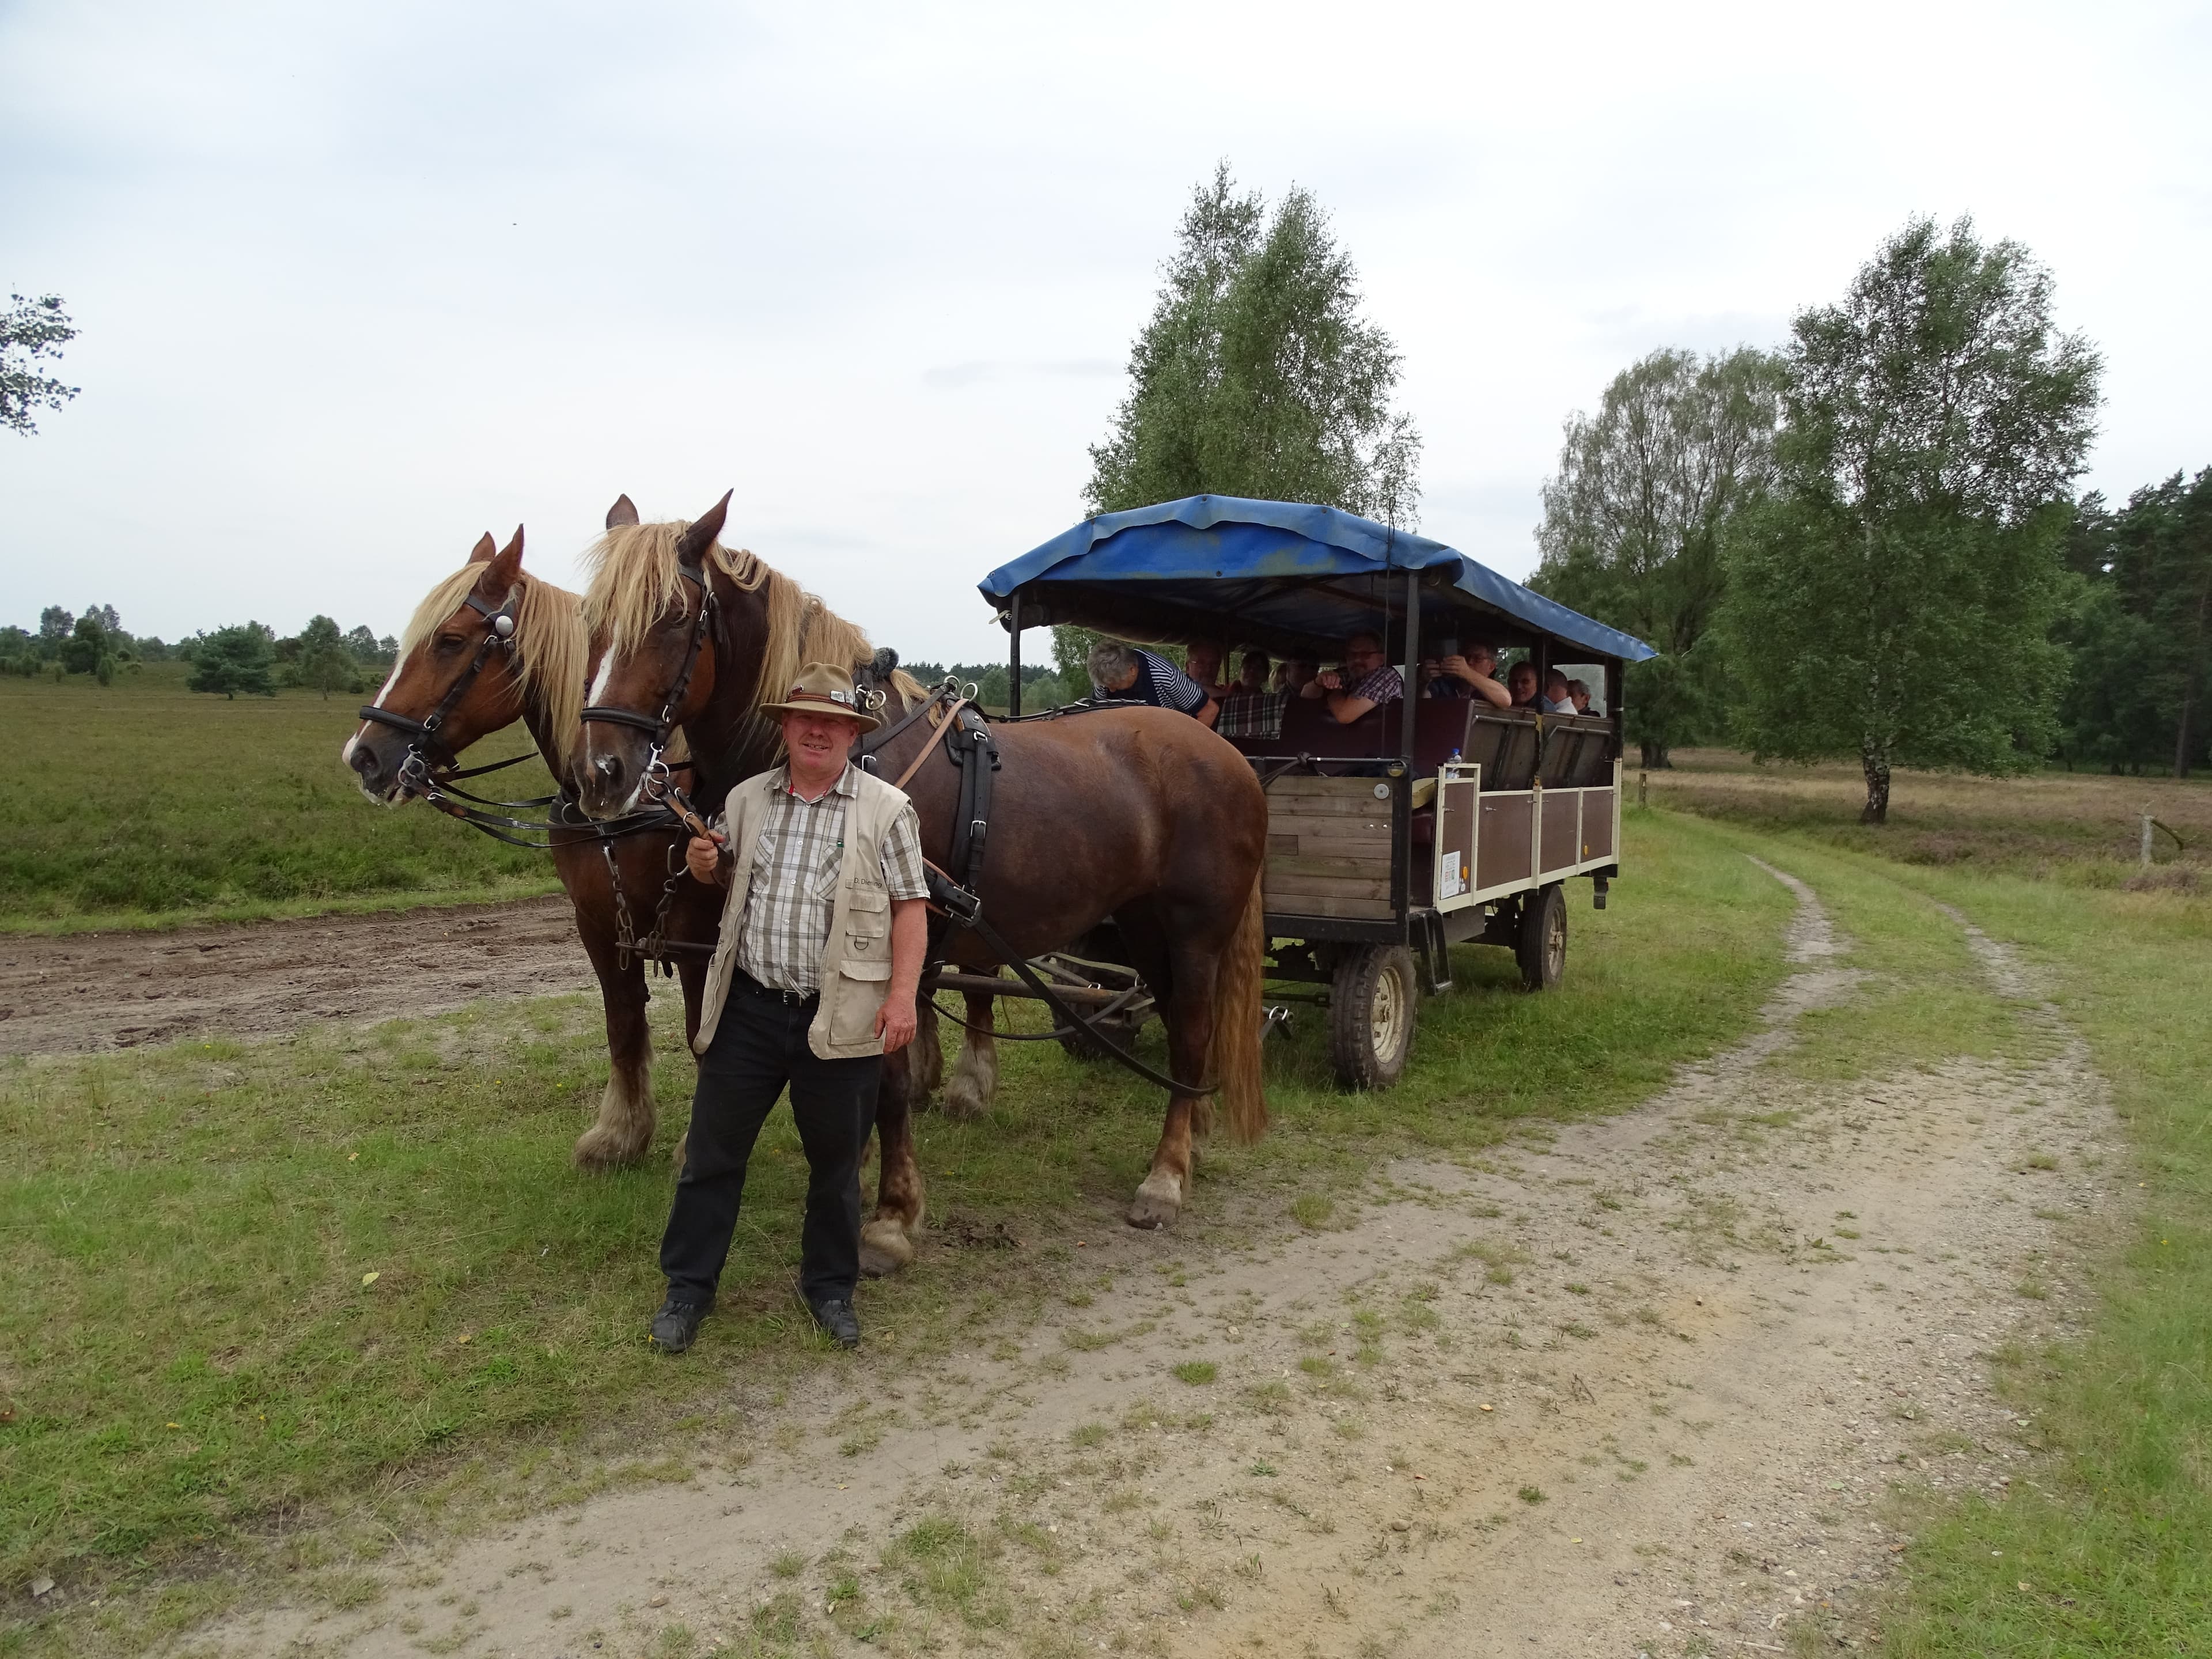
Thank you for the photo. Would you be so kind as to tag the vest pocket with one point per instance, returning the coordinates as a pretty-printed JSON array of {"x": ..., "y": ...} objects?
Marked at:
[
  {"x": 862, "y": 988},
  {"x": 868, "y": 922}
]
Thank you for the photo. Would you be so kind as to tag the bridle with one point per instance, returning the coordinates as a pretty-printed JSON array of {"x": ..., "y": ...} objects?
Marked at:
[
  {"x": 425, "y": 748},
  {"x": 658, "y": 783}
]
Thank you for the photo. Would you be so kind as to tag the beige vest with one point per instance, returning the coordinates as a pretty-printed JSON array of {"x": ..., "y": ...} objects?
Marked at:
[{"x": 856, "y": 959}]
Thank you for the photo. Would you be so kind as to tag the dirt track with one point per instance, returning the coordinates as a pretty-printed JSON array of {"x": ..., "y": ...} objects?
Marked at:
[
  {"x": 87, "y": 991},
  {"x": 1643, "y": 1386}
]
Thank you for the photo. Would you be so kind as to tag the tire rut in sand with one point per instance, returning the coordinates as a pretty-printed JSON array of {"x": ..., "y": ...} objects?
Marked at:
[{"x": 1642, "y": 1385}]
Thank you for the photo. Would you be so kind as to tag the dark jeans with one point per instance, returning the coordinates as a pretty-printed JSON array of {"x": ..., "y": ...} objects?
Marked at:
[{"x": 759, "y": 1046}]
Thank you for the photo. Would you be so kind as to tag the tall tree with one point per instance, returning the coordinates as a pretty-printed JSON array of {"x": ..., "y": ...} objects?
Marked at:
[
  {"x": 324, "y": 662},
  {"x": 1256, "y": 375},
  {"x": 1634, "y": 518},
  {"x": 1892, "y": 599},
  {"x": 234, "y": 660},
  {"x": 30, "y": 330}
]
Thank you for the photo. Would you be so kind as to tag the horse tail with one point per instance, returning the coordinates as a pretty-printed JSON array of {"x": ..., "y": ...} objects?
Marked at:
[{"x": 1237, "y": 1021}]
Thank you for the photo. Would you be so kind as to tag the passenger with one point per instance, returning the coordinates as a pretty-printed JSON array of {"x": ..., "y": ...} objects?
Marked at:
[
  {"x": 1555, "y": 693},
  {"x": 1201, "y": 665},
  {"x": 1522, "y": 682},
  {"x": 1129, "y": 672},
  {"x": 1251, "y": 709},
  {"x": 1365, "y": 680},
  {"x": 1255, "y": 675},
  {"x": 1298, "y": 674},
  {"x": 1578, "y": 693},
  {"x": 1472, "y": 674}
]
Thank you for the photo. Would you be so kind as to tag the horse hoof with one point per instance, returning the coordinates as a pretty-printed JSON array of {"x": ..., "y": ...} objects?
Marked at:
[
  {"x": 964, "y": 1101},
  {"x": 601, "y": 1149},
  {"x": 1158, "y": 1202},
  {"x": 885, "y": 1249}
]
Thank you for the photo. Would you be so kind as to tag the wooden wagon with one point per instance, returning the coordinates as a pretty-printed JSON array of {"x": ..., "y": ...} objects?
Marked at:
[{"x": 1389, "y": 839}]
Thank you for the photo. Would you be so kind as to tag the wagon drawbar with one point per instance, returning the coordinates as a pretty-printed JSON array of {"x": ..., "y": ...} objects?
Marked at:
[{"x": 1390, "y": 839}]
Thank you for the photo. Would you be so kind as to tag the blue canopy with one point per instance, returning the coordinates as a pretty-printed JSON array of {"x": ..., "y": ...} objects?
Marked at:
[{"x": 1282, "y": 573}]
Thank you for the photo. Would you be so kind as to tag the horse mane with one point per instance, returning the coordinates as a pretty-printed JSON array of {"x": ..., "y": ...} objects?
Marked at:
[
  {"x": 551, "y": 650},
  {"x": 634, "y": 580}
]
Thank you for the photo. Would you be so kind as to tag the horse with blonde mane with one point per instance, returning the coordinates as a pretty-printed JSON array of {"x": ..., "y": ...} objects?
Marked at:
[
  {"x": 1137, "y": 815},
  {"x": 489, "y": 645}
]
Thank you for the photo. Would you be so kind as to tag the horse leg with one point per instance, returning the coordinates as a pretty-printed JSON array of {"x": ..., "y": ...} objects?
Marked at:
[
  {"x": 924, "y": 1057},
  {"x": 887, "y": 1238},
  {"x": 1186, "y": 975},
  {"x": 624, "y": 1127},
  {"x": 692, "y": 974},
  {"x": 975, "y": 1073}
]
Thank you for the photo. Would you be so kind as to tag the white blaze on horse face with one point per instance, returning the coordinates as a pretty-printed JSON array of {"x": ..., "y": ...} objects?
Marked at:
[
  {"x": 390, "y": 680},
  {"x": 599, "y": 682}
]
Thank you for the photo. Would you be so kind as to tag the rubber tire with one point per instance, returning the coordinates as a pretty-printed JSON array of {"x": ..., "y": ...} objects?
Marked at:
[
  {"x": 1364, "y": 978},
  {"x": 1121, "y": 1028},
  {"x": 1543, "y": 946}
]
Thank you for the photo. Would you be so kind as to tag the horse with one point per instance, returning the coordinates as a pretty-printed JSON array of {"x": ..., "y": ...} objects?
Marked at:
[
  {"x": 458, "y": 677},
  {"x": 1140, "y": 816}
]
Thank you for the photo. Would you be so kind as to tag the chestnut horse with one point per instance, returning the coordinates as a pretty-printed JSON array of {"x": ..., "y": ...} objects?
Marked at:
[
  {"x": 1137, "y": 815},
  {"x": 535, "y": 673}
]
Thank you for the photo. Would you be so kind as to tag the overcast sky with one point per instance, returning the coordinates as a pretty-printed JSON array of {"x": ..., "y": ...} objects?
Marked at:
[{"x": 356, "y": 283}]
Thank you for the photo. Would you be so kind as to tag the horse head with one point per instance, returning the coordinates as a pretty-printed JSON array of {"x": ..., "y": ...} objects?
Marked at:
[
  {"x": 653, "y": 607},
  {"x": 456, "y": 678}
]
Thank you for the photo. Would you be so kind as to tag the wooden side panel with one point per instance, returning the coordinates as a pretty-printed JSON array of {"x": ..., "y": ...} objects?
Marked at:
[
  {"x": 1597, "y": 822},
  {"x": 1563, "y": 829},
  {"x": 1502, "y": 844},
  {"x": 1328, "y": 848}
]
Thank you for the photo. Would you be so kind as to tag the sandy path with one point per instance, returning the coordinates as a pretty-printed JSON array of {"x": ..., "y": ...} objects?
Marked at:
[
  {"x": 114, "y": 990},
  {"x": 1637, "y": 1388}
]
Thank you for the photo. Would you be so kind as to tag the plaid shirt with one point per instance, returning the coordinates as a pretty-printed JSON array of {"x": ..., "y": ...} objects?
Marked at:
[
  {"x": 796, "y": 865},
  {"x": 1251, "y": 714},
  {"x": 1160, "y": 684},
  {"x": 1380, "y": 686}
]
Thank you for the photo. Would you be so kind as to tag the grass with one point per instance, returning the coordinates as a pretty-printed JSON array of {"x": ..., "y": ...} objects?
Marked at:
[
  {"x": 185, "y": 1231},
  {"x": 2108, "y": 1537},
  {"x": 144, "y": 804}
]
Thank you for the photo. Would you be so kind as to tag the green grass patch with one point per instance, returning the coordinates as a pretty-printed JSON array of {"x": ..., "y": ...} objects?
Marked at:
[
  {"x": 174, "y": 806},
  {"x": 185, "y": 1232},
  {"x": 1196, "y": 1372}
]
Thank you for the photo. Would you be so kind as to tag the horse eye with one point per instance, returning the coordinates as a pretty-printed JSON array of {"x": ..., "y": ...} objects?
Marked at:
[{"x": 449, "y": 643}]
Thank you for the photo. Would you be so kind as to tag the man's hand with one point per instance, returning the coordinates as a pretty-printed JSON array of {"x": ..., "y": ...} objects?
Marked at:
[
  {"x": 895, "y": 1023},
  {"x": 1330, "y": 680},
  {"x": 703, "y": 858}
]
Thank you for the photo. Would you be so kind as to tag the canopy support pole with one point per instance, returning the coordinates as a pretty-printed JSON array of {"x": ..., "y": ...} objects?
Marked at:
[{"x": 1014, "y": 654}]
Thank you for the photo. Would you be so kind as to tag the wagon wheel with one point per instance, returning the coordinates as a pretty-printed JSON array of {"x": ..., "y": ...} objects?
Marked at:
[
  {"x": 1372, "y": 1006},
  {"x": 1543, "y": 946}
]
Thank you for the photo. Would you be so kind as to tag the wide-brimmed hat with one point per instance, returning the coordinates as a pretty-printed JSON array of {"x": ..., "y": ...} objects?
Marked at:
[{"x": 823, "y": 688}]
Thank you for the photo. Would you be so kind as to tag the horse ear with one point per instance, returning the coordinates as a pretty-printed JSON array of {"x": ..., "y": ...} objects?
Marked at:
[
  {"x": 507, "y": 565},
  {"x": 703, "y": 531},
  {"x": 482, "y": 552},
  {"x": 624, "y": 511}
]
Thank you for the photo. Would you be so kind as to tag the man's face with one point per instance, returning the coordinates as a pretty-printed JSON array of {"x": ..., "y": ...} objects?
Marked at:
[
  {"x": 819, "y": 742},
  {"x": 1203, "y": 663},
  {"x": 1255, "y": 671},
  {"x": 1363, "y": 655},
  {"x": 1298, "y": 671},
  {"x": 1483, "y": 660},
  {"x": 1128, "y": 679},
  {"x": 1522, "y": 683}
]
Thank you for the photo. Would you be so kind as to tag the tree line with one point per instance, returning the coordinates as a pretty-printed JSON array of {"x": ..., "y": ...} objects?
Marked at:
[
  {"x": 249, "y": 657},
  {"x": 1864, "y": 544}
]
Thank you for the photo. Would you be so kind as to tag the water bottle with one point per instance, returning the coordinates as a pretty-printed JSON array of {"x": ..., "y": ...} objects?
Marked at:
[{"x": 1454, "y": 759}]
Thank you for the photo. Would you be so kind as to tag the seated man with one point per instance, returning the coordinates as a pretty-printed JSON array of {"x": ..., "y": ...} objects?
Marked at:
[
  {"x": 1471, "y": 674},
  {"x": 1366, "y": 681},
  {"x": 1294, "y": 674},
  {"x": 1522, "y": 682},
  {"x": 1201, "y": 666},
  {"x": 1126, "y": 671},
  {"x": 1556, "y": 700},
  {"x": 1249, "y": 709},
  {"x": 1578, "y": 693}
]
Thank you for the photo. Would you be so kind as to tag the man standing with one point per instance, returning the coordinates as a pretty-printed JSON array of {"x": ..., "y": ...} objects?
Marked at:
[
  {"x": 1366, "y": 680},
  {"x": 1134, "y": 674},
  {"x": 812, "y": 982}
]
